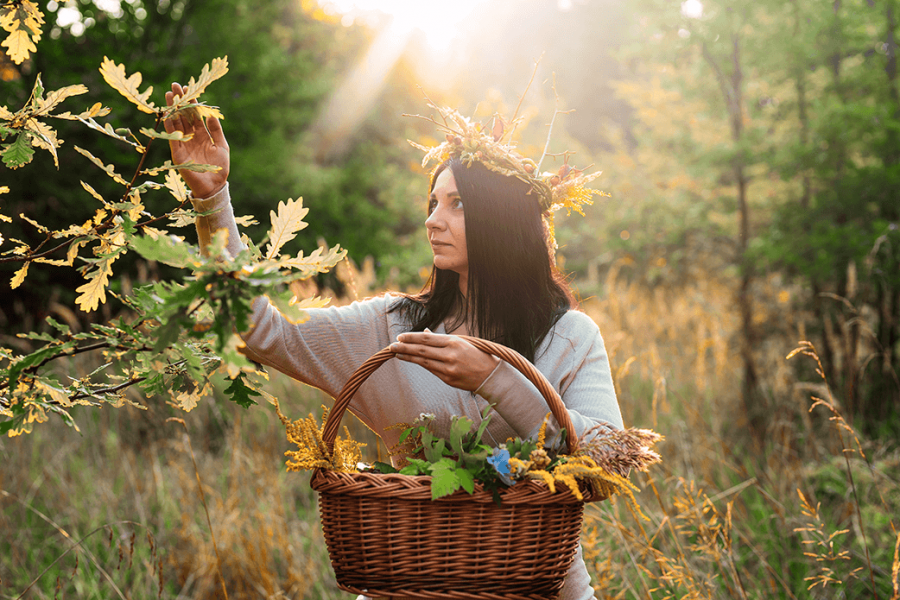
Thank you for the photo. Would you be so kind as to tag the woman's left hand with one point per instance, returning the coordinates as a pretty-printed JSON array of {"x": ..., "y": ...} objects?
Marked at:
[{"x": 454, "y": 360}]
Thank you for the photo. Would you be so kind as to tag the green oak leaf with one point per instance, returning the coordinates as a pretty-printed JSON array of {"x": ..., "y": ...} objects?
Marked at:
[{"x": 241, "y": 393}]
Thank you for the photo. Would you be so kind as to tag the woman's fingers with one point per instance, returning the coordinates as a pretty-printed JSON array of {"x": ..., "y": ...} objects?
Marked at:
[
  {"x": 215, "y": 130},
  {"x": 452, "y": 359}
]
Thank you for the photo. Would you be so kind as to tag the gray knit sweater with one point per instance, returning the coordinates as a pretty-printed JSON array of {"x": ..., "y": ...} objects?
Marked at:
[{"x": 325, "y": 350}]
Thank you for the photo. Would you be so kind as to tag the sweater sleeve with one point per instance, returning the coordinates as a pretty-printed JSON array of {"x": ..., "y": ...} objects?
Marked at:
[
  {"x": 322, "y": 351},
  {"x": 575, "y": 361},
  {"x": 221, "y": 217}
]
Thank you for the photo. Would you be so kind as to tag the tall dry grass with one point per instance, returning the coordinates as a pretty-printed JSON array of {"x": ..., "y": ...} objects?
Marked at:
[{"x": 809, "y": 511}]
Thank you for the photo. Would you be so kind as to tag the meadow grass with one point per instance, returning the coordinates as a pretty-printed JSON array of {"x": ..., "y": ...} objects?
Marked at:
[{"x": 806, "y": 510}]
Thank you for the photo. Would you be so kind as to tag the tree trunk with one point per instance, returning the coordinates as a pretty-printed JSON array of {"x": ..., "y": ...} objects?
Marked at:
[{"x": 751, "y": 400}]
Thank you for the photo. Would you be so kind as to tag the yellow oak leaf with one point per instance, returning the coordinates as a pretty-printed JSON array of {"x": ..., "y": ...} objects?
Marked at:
[
  {"x": 56, "y": 394},
  {"x": 97, "y": 110},
  {"x": 176, "y": 186},
  {"x": 44, "y": 137},
  {"x": 319, "y": 261},
  {"x": 53, "y": 261},
  {"x": 19, "y": 277},
  {"x": 52, "y": 99},
  {"x": 93, "y": 293},
  {"x": 72, "y": 252},
  {"x": 210, "y": 73},
  {"x": 285, "y": 225},
  {"x": 109, "y": 170},
  {"x": 187, "y": 401},
  {"x": 246, "y": 221},
  {"x": 127, "y": 86},
  {"x": 23, "y": 21},
  {"x": 180, "y": 218},
  {"x": 19, "y": 46},
  {"x": 93, "y": 192},
  {"x": 153, "y": 232},
  {"x": 40, "y": 227}
]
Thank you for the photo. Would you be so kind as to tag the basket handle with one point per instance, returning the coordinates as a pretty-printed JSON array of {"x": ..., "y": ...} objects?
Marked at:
[{"x": 515, "y": 359}]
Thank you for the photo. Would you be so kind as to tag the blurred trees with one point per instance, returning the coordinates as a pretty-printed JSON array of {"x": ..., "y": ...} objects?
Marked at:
[
  {"x": 751, "y": 142},
  {"x": 285, "y": 59},
  {"x": 770, "y": 131}
]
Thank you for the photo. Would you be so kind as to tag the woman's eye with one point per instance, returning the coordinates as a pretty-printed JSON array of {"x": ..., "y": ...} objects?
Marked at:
[
  {"x": 457, "y": 203},
  {"x": 432, "y": 204}
]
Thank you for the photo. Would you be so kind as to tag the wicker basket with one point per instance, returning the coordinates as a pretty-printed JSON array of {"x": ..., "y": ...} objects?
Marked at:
[{"x": 387, "y": 537}]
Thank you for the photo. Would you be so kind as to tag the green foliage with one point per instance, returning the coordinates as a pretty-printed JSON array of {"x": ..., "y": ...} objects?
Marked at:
[
  {"x": 461, "y": 459},
  {"x": 173, "y": 334}
]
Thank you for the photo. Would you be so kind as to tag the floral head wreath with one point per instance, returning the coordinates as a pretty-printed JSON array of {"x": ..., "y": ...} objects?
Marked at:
[{"x": 470, "y": 142}]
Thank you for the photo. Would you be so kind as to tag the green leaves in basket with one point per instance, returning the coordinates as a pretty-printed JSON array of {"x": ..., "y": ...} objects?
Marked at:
[{"x": 384, "y": 468}]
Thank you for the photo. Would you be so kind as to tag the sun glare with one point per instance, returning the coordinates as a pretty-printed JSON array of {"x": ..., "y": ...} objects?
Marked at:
[
  {"x": 439, "y": 21},
  {"x": 692, "y": 9}
]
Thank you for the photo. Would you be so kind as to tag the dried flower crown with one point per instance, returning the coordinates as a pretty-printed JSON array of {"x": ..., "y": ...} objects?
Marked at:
[{"x": 470, "y": 142}]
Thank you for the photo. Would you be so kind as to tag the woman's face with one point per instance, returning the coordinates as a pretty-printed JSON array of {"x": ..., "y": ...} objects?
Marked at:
[{"x": 446, "y": 226}]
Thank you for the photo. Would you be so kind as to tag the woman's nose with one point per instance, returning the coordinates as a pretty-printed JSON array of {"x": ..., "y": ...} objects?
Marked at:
[{"x": 435, "y": 220}]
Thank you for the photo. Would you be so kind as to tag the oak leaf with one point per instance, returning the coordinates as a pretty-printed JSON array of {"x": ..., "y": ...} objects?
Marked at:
[
  {"x": 127, "y": 86},
  {"x": 53, "y": 98},
  {"x": 189, "y": 166},
  {"x": 19, "y": 46},
  {"x": 19, "y": 277},
  {"x": 18, "y": 153},
  {"x": 97, "y": 110},
  {"x": 93, "y": 293},
  {"x": 175, "y": 136},
  {"x": 175, "y": 184},
  {"x": 109, "y": 170},
  {"x": 23, "y": 21},
  {"x": 212, "y": 71},
  {"x": 285, "y": 225},
  {"x": 319, "y": 261},
  {"x": 44, "y": 137},
  {"x": 93, "y": 192}
]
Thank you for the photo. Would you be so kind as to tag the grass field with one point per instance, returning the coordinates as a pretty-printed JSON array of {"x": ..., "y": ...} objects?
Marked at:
[{"x": 807, "y": 510}]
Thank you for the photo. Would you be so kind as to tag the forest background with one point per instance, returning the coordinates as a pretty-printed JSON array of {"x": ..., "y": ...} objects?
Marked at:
[{"x": 751, "y": 152}]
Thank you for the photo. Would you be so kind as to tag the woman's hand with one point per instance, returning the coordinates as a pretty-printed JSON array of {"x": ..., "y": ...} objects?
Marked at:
[
  {"x": 454, "y": 360},
  {"x": 204, "y": 148}
]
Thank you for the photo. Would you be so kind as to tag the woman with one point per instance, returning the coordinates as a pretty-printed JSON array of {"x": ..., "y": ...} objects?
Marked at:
[{"x": 493, "y": 277}]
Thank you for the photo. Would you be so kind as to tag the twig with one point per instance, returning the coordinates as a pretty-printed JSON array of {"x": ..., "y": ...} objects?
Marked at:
[
  {"x": 108, "y": 390},
  {"x": 556, "y": 111},
  {"x": 522, "y": 97}
]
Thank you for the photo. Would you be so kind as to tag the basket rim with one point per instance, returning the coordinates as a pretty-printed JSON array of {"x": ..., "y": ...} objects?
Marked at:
[{"x": 395, "y": 486}]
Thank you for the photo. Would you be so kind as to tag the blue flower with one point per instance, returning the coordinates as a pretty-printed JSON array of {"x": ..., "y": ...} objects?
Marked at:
[{"x": 500, "y": 461}]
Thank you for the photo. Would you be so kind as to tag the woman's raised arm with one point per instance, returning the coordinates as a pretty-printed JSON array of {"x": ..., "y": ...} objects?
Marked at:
[{"x": 207, "y": 146}]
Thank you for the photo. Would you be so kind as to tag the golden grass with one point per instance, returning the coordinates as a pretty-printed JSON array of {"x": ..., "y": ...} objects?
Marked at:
[{"x": 793, "y": 517}]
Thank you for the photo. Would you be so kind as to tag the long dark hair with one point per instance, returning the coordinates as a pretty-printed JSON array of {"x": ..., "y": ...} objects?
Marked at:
[{"x": 515, "y": 292}]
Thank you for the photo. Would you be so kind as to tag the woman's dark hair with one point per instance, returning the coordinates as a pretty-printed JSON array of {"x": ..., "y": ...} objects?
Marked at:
[{"x": 515, "y": 292}]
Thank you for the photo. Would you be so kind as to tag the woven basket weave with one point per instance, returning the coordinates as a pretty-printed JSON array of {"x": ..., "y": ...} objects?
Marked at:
[{"x": 387, "y": 537}]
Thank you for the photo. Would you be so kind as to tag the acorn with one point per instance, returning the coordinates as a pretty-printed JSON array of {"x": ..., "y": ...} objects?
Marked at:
[
  {"x": 449, "y": 138},
  {"x": 564, "y": 170},
  {"x": 529, "y": 168},
  {"x": 554, "y": 180},
  {"x": 457, "y": 140}
]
